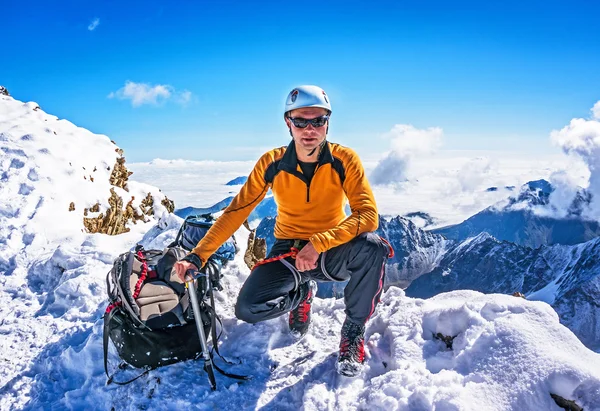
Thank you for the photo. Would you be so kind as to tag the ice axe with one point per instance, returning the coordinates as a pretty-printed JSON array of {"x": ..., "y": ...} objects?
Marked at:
[{"x": 191, "y": 286}]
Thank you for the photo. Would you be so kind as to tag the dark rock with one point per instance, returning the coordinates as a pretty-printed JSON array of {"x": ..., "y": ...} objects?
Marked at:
[{"x": 565, "y": 404}]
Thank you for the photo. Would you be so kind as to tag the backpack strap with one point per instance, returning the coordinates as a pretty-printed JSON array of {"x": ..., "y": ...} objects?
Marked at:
[
  {"x": 124, "y": 301},
  {"x": 143, "y": 274},
  {"x": 111, "y": 378}
]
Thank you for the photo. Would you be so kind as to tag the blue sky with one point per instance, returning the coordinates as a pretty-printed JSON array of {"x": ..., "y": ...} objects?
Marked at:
[{"x": 492, "y": 75}]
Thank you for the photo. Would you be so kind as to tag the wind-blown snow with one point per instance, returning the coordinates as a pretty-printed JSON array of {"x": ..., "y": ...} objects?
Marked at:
[{"x": 508, "y": 353}]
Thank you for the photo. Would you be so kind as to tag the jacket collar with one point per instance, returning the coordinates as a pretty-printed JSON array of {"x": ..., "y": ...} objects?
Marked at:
[{"x": 289, "y": 161}]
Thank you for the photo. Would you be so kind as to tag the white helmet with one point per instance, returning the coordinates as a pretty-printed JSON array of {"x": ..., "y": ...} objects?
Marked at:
[{"x": 307, "y": 96}]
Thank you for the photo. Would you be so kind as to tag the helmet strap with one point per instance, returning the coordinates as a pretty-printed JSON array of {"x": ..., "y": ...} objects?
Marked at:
[{"x": 320, "y": 147}]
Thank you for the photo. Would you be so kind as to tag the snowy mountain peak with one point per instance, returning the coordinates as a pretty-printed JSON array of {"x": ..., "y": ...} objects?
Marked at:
[
  {"x": 65, "y": 176},
  {"x": 58, "y": 184}
]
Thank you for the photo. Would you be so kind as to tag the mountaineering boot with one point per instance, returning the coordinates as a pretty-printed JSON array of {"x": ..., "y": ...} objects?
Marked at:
[
  {"x": 300, "y": 316},
  {"x": 352, "y": 349}
]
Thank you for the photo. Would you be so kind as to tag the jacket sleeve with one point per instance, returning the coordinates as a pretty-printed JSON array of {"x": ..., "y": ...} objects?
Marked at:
[
  {"x": 251, "y": 194},
  {"x": 364, "y": 217}
]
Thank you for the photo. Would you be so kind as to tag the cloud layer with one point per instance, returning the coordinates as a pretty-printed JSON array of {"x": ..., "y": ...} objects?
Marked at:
[
  {"x": 407, "y": 142},
  {"x": 143, "y": 93},
  {"x": 473, "y": 173}
]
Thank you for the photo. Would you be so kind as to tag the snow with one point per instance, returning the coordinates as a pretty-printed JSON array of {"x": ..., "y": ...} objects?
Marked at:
[{"x": 508, "y": 353}]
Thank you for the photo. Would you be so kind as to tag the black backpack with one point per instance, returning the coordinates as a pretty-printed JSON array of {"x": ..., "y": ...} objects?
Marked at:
[{"x": 149, "y": 318}]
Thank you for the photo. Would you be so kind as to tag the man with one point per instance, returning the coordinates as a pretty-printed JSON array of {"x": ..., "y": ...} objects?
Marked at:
[{"x": 311, "y": 180}]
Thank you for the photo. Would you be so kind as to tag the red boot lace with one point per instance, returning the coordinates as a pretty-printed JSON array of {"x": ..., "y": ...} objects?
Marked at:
[
  {"x": 303, "y": 309},
  {"x": 355, "y": 351}
]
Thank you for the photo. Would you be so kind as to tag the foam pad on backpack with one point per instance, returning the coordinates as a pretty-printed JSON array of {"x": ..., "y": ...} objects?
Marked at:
[{"x": 159, "y": 305}]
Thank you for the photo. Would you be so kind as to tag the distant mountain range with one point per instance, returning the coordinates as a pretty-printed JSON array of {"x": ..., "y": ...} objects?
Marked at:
[
  {"x": 266, "y": 208},
  {"x": 237, "y": 181},
  {"x": 515, "y": 221},
  {"x": 184, "y": 212}
]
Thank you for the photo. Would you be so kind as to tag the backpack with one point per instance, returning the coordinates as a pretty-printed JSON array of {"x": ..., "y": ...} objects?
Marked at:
[
  {"x": 194, "y": 228},
  {"x": 150, "y": 319}
]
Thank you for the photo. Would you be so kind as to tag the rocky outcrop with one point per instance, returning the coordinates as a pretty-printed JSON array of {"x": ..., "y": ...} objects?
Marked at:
[
  {"x": 114, "y": 220},
  {"x": 168, "y": 204},
  {"x": 120, "y": 174},
  {"x": 4, "y": 91},
  {"x": 256, "y": 250}
]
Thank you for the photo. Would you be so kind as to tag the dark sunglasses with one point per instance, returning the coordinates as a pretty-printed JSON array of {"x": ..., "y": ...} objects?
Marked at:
[{"x": 304, "y": 122}]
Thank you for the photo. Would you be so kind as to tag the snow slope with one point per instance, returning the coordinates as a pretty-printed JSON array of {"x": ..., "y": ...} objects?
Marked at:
[
  {"x": 508, "y": 353},
  {"x": 51, "y": 280}
]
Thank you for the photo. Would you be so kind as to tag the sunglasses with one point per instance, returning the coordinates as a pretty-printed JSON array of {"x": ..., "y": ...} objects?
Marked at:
[{"x": 304, "y": 122}]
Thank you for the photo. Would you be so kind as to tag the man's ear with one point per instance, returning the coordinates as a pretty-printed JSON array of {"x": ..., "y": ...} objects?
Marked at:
[{"x": 288, "y": 123}]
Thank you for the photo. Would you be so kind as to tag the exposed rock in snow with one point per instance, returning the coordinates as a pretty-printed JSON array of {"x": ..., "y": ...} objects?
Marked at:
[{"x": 256, "y": 249}]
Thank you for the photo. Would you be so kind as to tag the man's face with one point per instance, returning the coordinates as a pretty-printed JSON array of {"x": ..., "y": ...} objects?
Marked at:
[{"x": 310, "y": 137}]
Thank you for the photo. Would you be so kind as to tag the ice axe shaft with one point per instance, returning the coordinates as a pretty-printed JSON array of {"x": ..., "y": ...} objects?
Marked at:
[{"x": 191, "y": 285}]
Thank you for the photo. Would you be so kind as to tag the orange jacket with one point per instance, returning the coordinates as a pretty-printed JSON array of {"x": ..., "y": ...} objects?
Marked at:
[{"x": 305, "y": 211}]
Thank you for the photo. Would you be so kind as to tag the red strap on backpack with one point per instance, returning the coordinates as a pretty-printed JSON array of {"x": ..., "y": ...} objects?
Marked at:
[
  {"x": 143, "y": 275},
  {"x": 112, "y": 307}
]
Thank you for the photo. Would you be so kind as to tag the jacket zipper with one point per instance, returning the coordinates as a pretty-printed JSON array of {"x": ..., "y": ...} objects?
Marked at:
[{"x": 308, "y": 185}]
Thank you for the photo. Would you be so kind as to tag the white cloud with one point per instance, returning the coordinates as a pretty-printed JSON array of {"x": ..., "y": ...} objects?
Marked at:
[
  {"x": 473, "y": 173},
  {"x": 94, "y": 24},
  {"x": 407, "y": 142},
  {"x": 143, "y": 93},
  {"x": 581, "y": 139},
  {"x": 596, "y": 111},
  {"x": 184, "y": 97}
]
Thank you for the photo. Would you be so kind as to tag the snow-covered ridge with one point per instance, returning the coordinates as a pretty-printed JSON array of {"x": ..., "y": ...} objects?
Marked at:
[{"x": 53, "y": 176}]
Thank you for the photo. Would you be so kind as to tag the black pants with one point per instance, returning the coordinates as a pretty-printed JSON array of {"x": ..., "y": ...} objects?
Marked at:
[{"x": 272, "y": 289}]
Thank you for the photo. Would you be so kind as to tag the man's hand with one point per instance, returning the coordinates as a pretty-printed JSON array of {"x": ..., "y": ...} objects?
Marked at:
[
  {"x": 307, "y": 258},
  {"x": 182, "y": 267}
]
